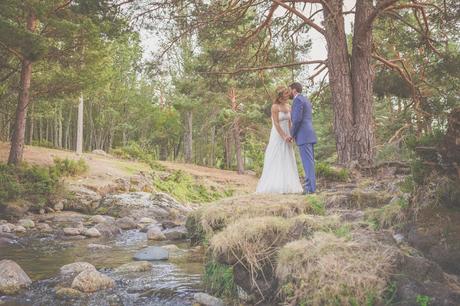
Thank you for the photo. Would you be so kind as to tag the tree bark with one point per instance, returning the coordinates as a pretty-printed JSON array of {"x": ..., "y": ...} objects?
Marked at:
[
  {"x": 351, "y": 83},
  {"x": 17, "y": 141},
  {"x": 363, "y": 78},
  {"x": 188, "y": 137}
]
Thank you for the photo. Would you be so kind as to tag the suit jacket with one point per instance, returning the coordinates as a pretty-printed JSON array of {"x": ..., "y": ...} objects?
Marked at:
[{"x": 302, "y": 121}]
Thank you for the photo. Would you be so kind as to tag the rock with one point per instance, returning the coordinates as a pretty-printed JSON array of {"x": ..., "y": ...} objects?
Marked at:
[
  {"x": 142, "y": 204},
  {"x": 176, "y": 233},
  {"x": 49, "y": 210},
  {"x": 76, "y": 267},
  {"x": 12, "y": 277},
  {"x": 169, "y": 224},
  {"x": 96, "y": 246},
  {"x": 100, "y": 152},
  {"x": 136, "y": 266},
  {"x": 19, "y": 229},
  {"x": 207, "y": 300},
  {"x": 68, "y": 293},
  {"x": 108, "y": 229},
  {"x": 171, "y": 248},
  {"x": 126, "y": 223},
  {"x": 27, "y": 223},
  {"x": 399, "y": 238},
  {"x": 152, "y": 253},
  {"x": 59, "y": 206},
  {"x": 41, "y": 211},
  {"x": 154, "y": 233},
  {"x": 16, "y": 209},
  {"x": 146, "y": 220},
  {"x": 92, "y": 232},
  {"x": 6, "y": 227},
  {"x": 97, "y": 219},
  {"x": 72, "y": 231},
  {"x": 44, "y": 227},
  {"x": 85, "y": 200},
  {"x": 91, "y": 281}
]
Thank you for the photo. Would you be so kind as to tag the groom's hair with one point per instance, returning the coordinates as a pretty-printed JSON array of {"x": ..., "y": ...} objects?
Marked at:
[{"x": 296, "y": 86}]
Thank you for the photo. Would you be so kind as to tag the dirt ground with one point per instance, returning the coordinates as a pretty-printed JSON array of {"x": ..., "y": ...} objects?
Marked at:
[{"x": 104, "y": 169}]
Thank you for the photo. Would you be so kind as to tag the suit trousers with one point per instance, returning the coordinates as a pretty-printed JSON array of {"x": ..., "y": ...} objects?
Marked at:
[{"x": 307, "y": 155}]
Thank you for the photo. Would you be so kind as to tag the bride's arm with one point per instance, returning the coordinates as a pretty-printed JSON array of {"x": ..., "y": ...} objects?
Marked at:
[
  {"x": 290, "y": 121},
  {"x": 276, "y": 122}
]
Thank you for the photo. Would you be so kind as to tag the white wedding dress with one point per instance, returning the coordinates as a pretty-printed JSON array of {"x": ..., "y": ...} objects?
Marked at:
[{"x": 280, "y": 168}]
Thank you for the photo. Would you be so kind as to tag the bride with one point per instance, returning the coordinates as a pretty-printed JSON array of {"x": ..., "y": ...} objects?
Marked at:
[{"x": 280, "y": 168}]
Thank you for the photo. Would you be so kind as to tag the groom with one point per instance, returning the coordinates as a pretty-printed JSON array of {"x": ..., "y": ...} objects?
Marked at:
[{"x": 304, "y": 134}]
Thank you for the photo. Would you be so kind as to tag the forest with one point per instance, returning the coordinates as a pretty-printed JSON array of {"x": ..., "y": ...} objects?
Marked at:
[
  {"x": 167, "y": 105},
  {"x": 205, "y": 93}
]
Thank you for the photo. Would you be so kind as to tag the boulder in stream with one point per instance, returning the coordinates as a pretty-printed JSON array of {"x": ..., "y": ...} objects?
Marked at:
[
  {"x": 136, "y": 266},
  {"x": 12, "y": 277},
  {"x": 126, "y": 223},
  {"x": 76, "y": 267},
  {"x": 92, "y": 232},
  {"x": 176, "y": 233},
  {"x": 154, "y": 233},
  {"x": 152, "y": 253},
  {"x": 91, "y": 281},
  {"x": 27, "y": 223},
  {"x": 207, "y": 300}
]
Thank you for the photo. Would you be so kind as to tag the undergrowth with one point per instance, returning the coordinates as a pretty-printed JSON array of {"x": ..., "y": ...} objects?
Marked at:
[{"x": 184, "y": 188}]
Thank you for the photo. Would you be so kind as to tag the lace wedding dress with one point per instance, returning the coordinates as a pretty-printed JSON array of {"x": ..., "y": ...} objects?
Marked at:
[{"x": 280, "y": 168}]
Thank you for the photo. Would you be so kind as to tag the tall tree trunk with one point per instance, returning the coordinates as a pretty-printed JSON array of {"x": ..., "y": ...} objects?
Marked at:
[
  {"x": 188, "y": 137},
  {"x": 363, "y": 78},
  {"x": 339, "y": 78},
  {"x": 351, "y": 83},
  {"x": 213, "y": 144},
  {"x": 31, "y": 125},
  {"x": 79, "y": 145},
  {"x": 60, "y": 125},
  {"x": 238, "y": 149},
  {"x": 17, "y": 141}
]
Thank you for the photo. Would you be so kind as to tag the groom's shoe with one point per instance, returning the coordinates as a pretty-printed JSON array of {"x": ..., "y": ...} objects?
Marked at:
[{"x": 306, "y": 192}]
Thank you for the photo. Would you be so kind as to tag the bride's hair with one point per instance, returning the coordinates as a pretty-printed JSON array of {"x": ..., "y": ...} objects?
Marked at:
[{"x": 280, "y": 90}]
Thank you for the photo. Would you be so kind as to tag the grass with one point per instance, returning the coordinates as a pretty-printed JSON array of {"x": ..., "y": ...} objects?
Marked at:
[
  {"x": 392, "y": 214},
  {"x": 69, "y": 167},
  {"x": 330, "y": 270},
  {"x": 211, "y": 218},
  {"x": 184, "y": 188},
  {"x": 326, "y": 171},
  {"x": 218, "y": 280},
  {"x": 255, "y": 242}
]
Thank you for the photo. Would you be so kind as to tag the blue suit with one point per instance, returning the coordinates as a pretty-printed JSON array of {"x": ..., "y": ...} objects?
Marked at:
[{"x": 304, "y": 134}]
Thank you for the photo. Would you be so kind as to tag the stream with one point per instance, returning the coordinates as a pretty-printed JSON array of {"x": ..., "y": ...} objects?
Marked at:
[{"x": 171, "y": 282}]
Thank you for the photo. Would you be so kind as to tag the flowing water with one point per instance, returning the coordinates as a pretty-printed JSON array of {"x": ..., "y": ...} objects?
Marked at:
[{"x": 171, "y": 282}]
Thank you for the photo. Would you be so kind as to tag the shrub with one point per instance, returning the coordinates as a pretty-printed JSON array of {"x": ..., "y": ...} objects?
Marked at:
[
  {"x": 326, "y": 171},
  {"x": 35, "y": 184},
  {"x": 133, "y": 151},
  {"x": 69, "y": 167},
  {"x": 43, "y": 143}
]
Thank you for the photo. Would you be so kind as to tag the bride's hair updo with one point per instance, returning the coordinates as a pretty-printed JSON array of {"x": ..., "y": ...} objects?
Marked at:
[{"x": 280, "y": 91}]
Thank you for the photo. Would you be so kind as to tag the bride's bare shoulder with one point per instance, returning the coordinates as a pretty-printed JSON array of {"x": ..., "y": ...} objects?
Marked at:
[{"x": 275, "y": 107}]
